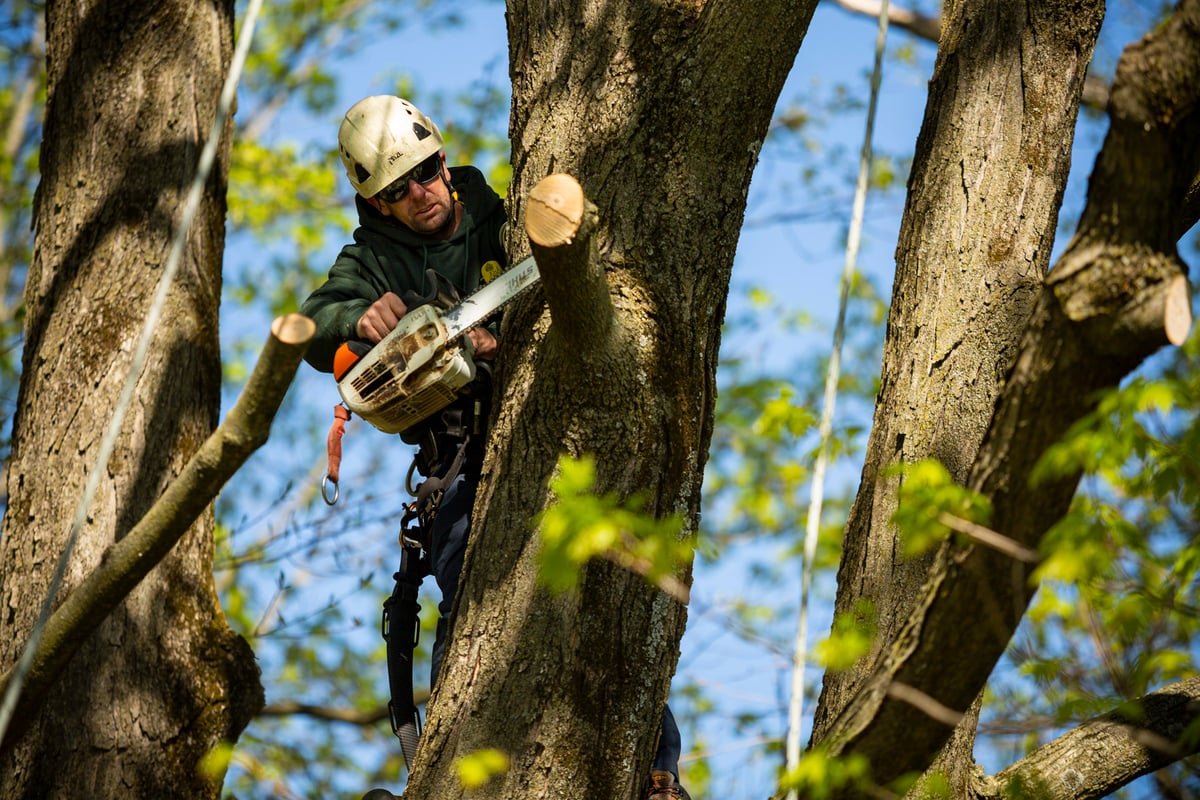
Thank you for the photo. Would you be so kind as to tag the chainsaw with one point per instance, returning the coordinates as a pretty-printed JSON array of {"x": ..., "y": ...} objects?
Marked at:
[{"x": 425, "y": 361}]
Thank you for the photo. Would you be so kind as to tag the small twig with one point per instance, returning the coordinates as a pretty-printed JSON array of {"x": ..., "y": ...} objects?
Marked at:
[
  {"x": 669, "y": 584},
  {"x": 924, "y": 703},
  {"x": 990, "y": 538},
  {"x": 350, "y": 716}
]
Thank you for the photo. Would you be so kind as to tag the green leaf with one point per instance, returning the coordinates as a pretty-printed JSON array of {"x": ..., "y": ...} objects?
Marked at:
[{"x": 478, "y": 768}]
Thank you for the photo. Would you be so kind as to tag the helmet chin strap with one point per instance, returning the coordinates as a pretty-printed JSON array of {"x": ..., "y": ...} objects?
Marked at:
[{"x": 453, "y": 217}]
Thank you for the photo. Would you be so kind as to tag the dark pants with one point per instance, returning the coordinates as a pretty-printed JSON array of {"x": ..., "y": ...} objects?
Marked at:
[{"x": 448, "y": 545}]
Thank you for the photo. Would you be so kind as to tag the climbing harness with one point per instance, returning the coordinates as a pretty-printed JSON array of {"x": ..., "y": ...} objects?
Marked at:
[
  {"x": 400, "y": 625},
  {"x": 437, "y": 438},
  {"x": 401, "y": 628}
]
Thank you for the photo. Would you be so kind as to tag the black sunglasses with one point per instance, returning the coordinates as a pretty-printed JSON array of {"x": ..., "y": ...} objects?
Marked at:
[{"x": 422, "y": 173}]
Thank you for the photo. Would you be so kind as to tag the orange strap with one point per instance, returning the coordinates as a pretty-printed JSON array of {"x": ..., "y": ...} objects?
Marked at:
[{"x": 333, "y": 446}]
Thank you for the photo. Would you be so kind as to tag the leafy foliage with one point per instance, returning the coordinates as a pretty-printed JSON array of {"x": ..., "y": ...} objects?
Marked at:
[
  {"x": 581, "y": 525},
  {"x": 1117, "y": 614},
  {"x": 928, "y": 495},
  {"x": 820, "y": 776},
  {"x": 474, "y": 771}
]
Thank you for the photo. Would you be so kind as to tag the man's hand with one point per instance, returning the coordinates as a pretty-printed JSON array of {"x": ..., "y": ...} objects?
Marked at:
[
  {"x": 381, "y": 317},
  {"x": 485, "y": 343}
]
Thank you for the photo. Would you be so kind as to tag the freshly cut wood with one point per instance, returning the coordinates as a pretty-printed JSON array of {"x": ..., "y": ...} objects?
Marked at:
[{"x": 556, "y": 206}]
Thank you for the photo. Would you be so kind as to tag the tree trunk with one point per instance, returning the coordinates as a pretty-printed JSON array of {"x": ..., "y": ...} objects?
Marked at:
[
  {"x": 983, "y": 200},
  {"x": 659, "y": 111},
  {"x": 1118, "y": 293},
  {"x": 132, "y": 92}
]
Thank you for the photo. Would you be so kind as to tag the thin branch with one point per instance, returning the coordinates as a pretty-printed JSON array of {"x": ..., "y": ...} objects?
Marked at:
[
  {"x": 924, "y": 703},
  {"x": 668, "y": 584},
  {"x": 363, "y": 717},
  {"x": 926, "y": 27},
  {"x": 990, "y": 538}
]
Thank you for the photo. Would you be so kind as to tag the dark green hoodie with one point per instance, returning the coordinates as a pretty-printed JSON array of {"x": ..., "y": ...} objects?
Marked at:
[{"x": 389, "y": 257}]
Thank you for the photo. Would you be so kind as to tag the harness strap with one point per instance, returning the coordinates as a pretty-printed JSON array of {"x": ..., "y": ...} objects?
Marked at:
[
  {"x": 333, "y": 448},
  {"x": 430, "y": 490},
  {"x": 401, "y": 632},
  {"x": 401, "y": 611}
]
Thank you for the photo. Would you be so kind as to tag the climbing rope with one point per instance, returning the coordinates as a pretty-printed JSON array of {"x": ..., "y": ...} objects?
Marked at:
[
  {"x": 207, "y": 157},
  {"x": 825, "y": 429}
]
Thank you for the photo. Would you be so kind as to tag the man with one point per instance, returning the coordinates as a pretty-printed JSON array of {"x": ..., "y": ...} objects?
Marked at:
[{"x": 416, "y": 215}]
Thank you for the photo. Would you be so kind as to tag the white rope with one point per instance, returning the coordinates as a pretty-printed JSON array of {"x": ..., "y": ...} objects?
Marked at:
[
  {"x": 207, "y": 157},
  {"x": 825, "y": 429}
]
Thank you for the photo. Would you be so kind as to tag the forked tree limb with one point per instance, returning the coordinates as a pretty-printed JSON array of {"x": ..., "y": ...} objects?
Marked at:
[
  {"x": 134, "y": 554},
  {"x": 1101, "y": 755}
]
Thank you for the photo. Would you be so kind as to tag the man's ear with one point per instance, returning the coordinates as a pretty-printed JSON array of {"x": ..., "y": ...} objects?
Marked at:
[{"x": 379, "y": 205}]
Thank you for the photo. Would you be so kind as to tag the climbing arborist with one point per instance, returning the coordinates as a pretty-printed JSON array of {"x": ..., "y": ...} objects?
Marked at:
[{"x": 419, "y": 220}]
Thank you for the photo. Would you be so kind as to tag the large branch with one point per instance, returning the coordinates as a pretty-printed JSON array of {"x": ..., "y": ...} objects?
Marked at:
[
  {"x": 1117, "y": 294},
  {"x": 131, "y": 557},
  {"x": 1106, "y": 753}
]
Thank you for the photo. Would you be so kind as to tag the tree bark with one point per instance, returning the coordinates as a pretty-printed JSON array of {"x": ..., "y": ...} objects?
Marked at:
[
  {"x": 132, "y": 92},
  {"x": 128, "y": 560},
  {"x": 1117, "y": 294},
  {"x": 1102, "y": 755},
  {"x": 979, "y": 222}
]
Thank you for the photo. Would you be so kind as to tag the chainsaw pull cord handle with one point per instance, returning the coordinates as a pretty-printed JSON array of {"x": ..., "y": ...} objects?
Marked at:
[{"x": 333, "y": 447}]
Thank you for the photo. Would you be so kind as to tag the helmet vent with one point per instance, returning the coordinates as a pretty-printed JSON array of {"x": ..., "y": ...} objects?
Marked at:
[
  {"x": 361, "y": 172},
  {"x": 420, "y": 130}
]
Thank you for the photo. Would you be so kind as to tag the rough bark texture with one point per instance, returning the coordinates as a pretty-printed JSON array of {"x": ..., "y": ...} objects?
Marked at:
[
  {"x": 1112, "y": 299},
  {"x": 991, "y": 162},
  {"x": 1104, "y": 754},
  {"x": 658, "y": 109},
  {"x": 132, "y": 92},
  {"x": 130, "y": 558}
]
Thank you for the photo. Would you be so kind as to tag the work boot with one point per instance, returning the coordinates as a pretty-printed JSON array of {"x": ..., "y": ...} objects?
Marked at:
[{"x": 664, "y": 786}]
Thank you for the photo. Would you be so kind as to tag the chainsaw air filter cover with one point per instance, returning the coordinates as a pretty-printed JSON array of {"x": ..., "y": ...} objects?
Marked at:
[{"x": 411, "y": 374}]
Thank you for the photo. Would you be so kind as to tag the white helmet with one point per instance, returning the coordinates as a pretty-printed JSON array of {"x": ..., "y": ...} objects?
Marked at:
[{"x": 382, "y": 138}]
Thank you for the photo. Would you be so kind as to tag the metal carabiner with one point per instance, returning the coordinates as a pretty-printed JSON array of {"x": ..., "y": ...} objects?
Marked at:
[
  {"x": 325, "y": 492},
  {"x": 408, "y": 479}
]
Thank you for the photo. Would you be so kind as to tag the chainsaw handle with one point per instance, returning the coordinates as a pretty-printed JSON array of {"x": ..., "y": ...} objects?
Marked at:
[{"x": 347, "y": 356}]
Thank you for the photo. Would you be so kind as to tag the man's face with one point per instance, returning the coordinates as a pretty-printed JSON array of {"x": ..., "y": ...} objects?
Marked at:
[{"x": 426, "y": 207}]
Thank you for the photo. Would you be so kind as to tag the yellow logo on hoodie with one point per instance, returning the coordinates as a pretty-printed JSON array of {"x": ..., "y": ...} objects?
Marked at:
[{"x": 490, "y": 271}]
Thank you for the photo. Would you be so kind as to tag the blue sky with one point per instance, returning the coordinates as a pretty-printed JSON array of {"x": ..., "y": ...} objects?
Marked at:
[{"x": 799, "y": 263}]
